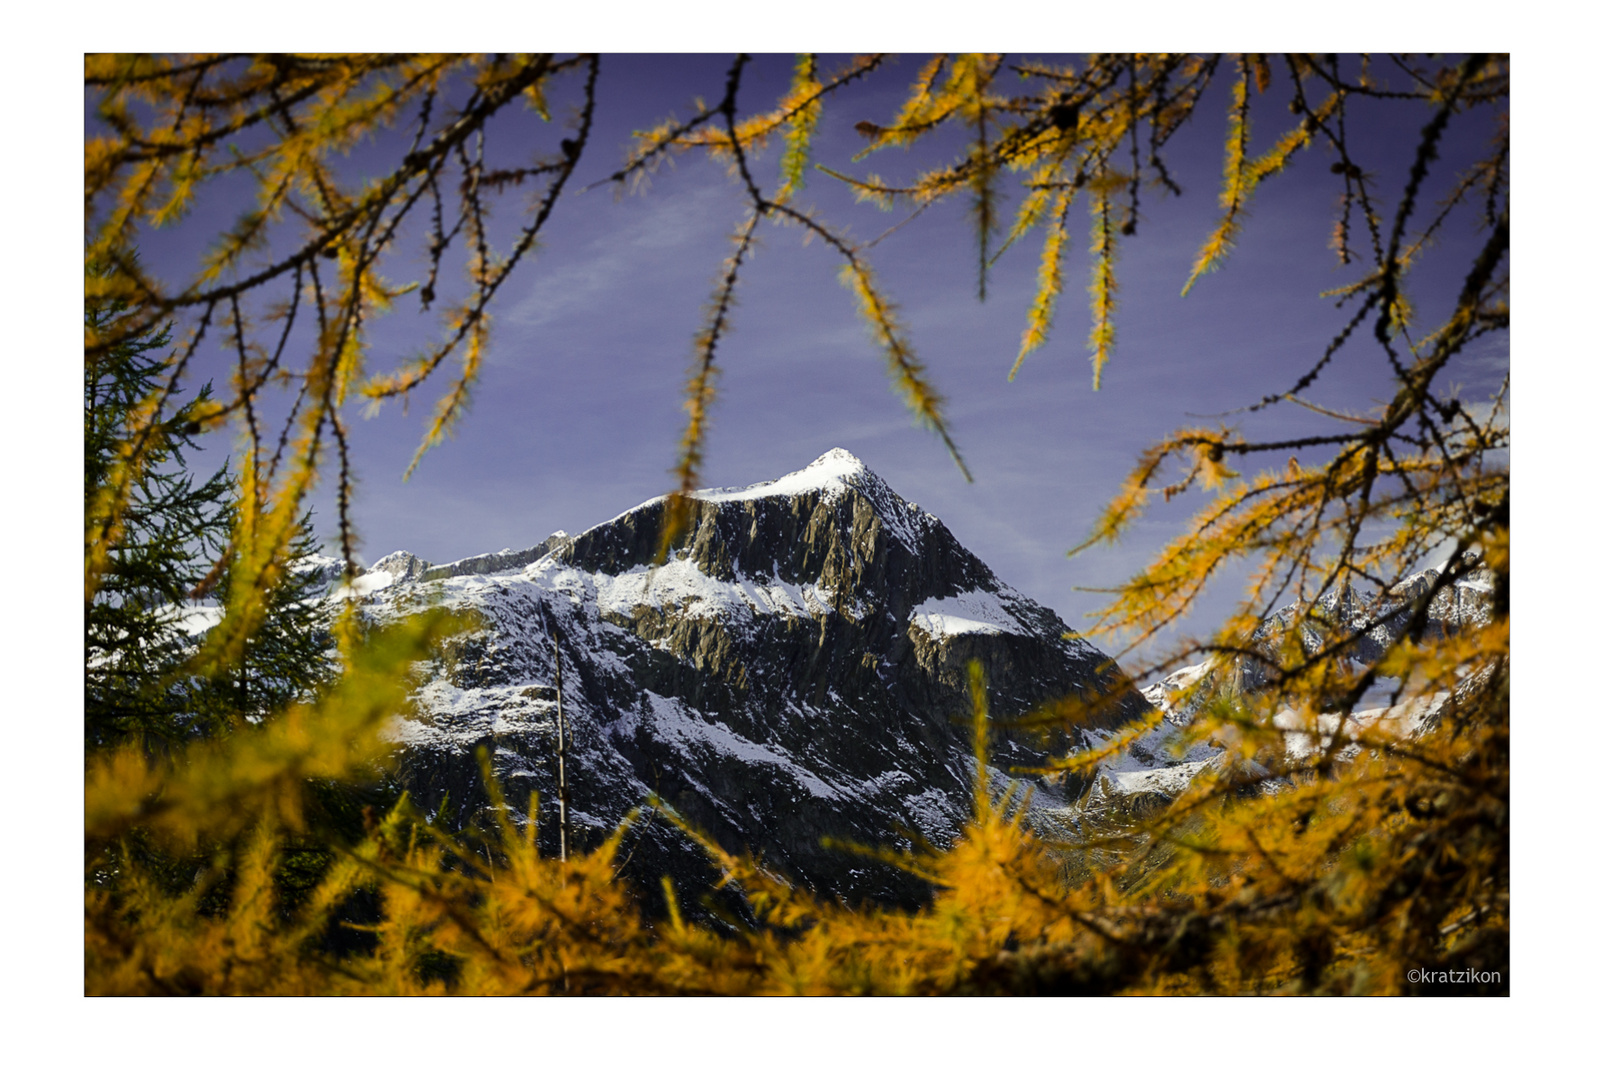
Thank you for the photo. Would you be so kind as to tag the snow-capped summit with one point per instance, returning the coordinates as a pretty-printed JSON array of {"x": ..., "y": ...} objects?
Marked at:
[
  {"x": 793, "y": 669},
  {"x": 832, "y": 470}
]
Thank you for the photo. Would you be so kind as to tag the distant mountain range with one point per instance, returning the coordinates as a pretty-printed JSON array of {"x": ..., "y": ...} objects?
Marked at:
[{"x": 1157, "y": 767}]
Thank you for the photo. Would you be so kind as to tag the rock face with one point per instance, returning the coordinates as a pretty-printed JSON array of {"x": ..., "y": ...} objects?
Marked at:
[{"x": 793, "y": 671}]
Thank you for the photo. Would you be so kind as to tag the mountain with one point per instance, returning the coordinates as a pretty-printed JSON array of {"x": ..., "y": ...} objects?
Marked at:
[
  {"x": 1157, "y": 766},
  {"x": 795, "y": 670}
]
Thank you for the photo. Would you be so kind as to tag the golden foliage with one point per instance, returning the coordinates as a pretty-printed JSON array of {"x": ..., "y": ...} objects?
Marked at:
[
  {"x": 1324, "y": 886},
  {"x": 1049, "y": 276},
  {"x": 1104, "y": 237}
]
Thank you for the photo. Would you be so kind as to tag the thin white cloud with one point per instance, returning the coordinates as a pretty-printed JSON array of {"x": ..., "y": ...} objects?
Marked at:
[{"x": 646, "y": 247}]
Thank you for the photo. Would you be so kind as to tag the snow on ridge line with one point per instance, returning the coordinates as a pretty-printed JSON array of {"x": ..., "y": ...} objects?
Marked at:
[
  {"x": 682, "y": 584},
  {"x": 832, "y": 472},
  {"x": 828, "y": 472}
]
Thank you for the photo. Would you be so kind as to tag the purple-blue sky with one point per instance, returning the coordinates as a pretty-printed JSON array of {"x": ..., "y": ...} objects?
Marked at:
[{"x": 578, "y": 410}]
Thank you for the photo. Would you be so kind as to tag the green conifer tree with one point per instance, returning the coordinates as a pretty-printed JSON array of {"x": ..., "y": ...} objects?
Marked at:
[
  {"x": 140, "y": 681},
  {"x": 173, "y": 527},
  {"x": 287, "y": 657}
]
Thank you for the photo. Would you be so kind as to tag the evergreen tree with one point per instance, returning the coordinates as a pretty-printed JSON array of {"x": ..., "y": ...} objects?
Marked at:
[
  {"x": 286, "y": 657},
  {"x": 171, "y": 529},
  {"x": 141, "y": 622}
]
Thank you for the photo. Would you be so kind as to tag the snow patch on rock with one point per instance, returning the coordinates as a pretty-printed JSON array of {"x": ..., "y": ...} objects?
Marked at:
[{"x": 976, "y": 612}]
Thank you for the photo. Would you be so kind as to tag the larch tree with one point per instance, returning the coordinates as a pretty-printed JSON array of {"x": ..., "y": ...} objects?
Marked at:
[{"x": 1381, "y": 851}]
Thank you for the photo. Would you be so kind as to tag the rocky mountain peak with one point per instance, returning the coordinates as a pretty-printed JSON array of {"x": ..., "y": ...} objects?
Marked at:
[
  {"x": 837, "y": 468},
  {"x": 401, "y": 564},
  {"x": 835, "y": 525},
  {"x": 832, "y": 477},
  {"x": 795, "y": 668}
]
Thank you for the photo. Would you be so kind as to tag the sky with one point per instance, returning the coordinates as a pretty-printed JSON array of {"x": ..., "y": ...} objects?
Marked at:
[{"x": 578, "y": 410}]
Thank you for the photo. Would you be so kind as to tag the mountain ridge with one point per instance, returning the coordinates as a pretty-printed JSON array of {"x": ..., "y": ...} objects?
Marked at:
[{"x": 795, "y": 670}]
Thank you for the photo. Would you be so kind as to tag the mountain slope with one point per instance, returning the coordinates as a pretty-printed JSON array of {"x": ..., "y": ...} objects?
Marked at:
[{"x": 790, "y": 673}]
